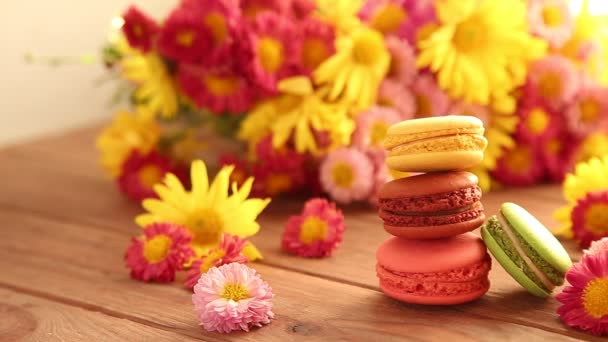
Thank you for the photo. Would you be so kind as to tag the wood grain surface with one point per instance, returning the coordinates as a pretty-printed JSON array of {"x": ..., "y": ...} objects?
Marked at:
[{"x": 65, "y": 228}]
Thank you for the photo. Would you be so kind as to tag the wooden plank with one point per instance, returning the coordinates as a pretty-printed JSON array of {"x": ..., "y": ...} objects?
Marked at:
[
  {"x": 26, "y": 317},
  {"x": 83, "y": 265}
]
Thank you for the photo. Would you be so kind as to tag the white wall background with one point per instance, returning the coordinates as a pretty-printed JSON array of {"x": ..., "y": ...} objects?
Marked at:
[{"x": 37, "y": 99}]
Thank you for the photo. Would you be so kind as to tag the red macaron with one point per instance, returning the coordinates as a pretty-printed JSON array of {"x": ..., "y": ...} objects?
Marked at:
[{"x": 431, "y": 205}]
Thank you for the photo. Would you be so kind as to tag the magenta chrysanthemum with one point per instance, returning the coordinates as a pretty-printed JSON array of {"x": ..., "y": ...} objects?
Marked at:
[
  {"x": 398, "y": 96},
  {"x": 232, "y": 297},
  {"x": 140, "y": 29},
  {"x": 551, "y": 20},
  {"x": 316, "y": 44},
  {"x": 277, "y": 171},
  {"x": 316, "y": 232},
  {"x": 381, "y": 176},
  {"x": 220, "y": 90},
  {"x": 403, "y": 61},
  {"x": 537, "y": 123},
  {"x": 558, "y": 155},
  {"x": 585, "y": 300},
  {"x": 553, "y": 81},
  {"x": 398, "y": 17},
  {"x": 241, "y": 171},
  {"x": 372, "y": 126},
  {"x": 159, "y": 253},
  {"x": 230, "y": 250},
  {"x": 271, "y": 49},
  {"x": 252, "y": 8},
  {"x": 430, "y": 99},
  {"x": 518, "y": 166},
  {"x": 184, "y": 37},
  {"x": 589, "y": 111},
  {"x": 598, "y": 246},
  {"x": 590, "y": 218},
  {"x": 347, "y": 175}
]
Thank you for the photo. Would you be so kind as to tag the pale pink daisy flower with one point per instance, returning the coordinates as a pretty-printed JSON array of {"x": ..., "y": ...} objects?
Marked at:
[
  {"x": 398, "y": 17},
  {"x": 397, "y": 96},
  {"x": 316, "y": 232},
  {"x": 589, "y": 110},
  {"x": 232, "y": 297},
  {"x": 553, "y": 81},
  {"x": 346, "y": 175},
  {"x": 382, "y": 175},
  {"x": 371, "y": 127},
  {"x": 430, "y": 99},
  {"x": 229, "y": 250},
  {"x": 598, "y": 246},
  {"x": 551, "y": 20},
  {"x": 159, "y": 253},
  {"x": 402, "y": 68}
]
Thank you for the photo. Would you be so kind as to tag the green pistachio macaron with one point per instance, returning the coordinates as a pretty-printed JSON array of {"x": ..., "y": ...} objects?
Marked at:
[{"x": 526, "y": 249}]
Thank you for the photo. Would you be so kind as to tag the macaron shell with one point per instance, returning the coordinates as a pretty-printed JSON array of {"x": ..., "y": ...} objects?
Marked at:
[
  {"x": 435, "y": 124},
  {"x": 427, "y": 184},
  {"x": 515, "y": 272},
  {"x": 537, "y": 236},
  {"x": 434, "y": 300},
  {"x": 435, "y": 232},
  {"x": 435, "y": 161}
]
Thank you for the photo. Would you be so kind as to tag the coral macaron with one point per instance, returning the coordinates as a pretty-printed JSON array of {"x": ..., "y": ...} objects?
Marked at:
[
  {"x": 444, "y": 143},
  {"x": 434, "y": 272},
  {"x": 432, "y": 205}
]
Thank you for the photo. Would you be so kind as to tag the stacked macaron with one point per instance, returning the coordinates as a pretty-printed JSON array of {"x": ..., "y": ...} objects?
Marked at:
[{"x": 433, "y": 258}]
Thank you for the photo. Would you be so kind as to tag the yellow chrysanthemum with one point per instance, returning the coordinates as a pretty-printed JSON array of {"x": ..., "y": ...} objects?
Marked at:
[
  {"x": 353, "y": 74},
  {"x": 595, "y": 145},
  {"x": 480, "y": 49},
  {"x": 156, "y": 89},
  {"x": 207, "y": 211},
  {"x": 340, "y": 13},
  {"x": 127, "y": 132},
  {"x": 296, "y": 113},
  {"x": 588, "y": 177}
]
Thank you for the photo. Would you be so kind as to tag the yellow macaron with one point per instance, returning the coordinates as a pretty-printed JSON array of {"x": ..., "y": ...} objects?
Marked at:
[{"x": 452, "y": 142}]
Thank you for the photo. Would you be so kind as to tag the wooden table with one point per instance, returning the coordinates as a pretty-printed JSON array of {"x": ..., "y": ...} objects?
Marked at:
[{"x": 65, "y": 228}]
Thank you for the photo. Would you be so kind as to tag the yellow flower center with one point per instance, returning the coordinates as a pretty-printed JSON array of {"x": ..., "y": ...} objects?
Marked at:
[
  {"x": 550, "y": 85},
  {"x": 538, "y": 120},
  {"x": 366, "y": 45},
  {"x": 149, "y": 175},
  {"x": 553, "y": 16},
  {"x": 554, "y": 146},
  {"x": 277, "y": 183},
  {"x": 138, "y": 31},
  {"x": 185, "y": 38},
  {"x": 424, "y": 107},
  {"x": 377, "y": 133},
  {"x": 343, "y": 175},
  {"x": 388, "y": 18},
  {"x": 590, "y": 110},
  {"x": 596, "y": 218},
  {"x": 314, "y": 52},
  {"x": 210, "y": 259},
  {"x": 221, "y": 86},
  {"x": 313, "y": 229},
  {"x": 470, "y": 35},
  {"x": 206, "y": 227},
  {"x": 595, "y": 297},
  {"x": 518, "y": 159},
  {"x": 271, "y": 54},
  {"x": 216, "y": 23},
  {"x": 235, "y": 292},
  {"x": 156, "y": 249}
]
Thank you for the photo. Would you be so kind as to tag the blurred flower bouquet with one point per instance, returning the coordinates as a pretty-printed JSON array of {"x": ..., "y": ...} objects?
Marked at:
[{"x": 302, "y": 91}]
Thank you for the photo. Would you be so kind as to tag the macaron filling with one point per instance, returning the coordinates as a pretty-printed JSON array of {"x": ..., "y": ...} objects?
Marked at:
[
  {"x": 458, "y": 142},
  {"x": 523, "y": 255},
  {"x": 436, "y": 218}
]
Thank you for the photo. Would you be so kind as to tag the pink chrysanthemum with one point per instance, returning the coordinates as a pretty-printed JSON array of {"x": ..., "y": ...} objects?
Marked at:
[
  {"x": 140, "y": 173},
  {"x": 537, "y": 123},
  {"x": 159, "y": 253},
  {"x": 220, "y": 90},
  {"x": 277, "y": 170},
  {"x": 518, "y": 166},
  {"x": 551, "y": 20},
  {"x": 372, "y": 126},
  {"x": 398, "y": 96},
  {"x": 403, "y": 61},
  {"x": 301, "y": 9},
  {"x": 430, "y": 99},
  {"x": 316, "y": 232},
  {"x": 184, "y": 37},
  {"x": 271, "y": 49},
  {"x": 553, "y": 81},
  {"x": 139, "y": 28},
  {"x": 589, "y": 111},
  {"x": 398, "y": 17},
  {"x": 221, "y": 18},
  {"x": 241, "y": 171},
  {"x": 316, "y": 45},
  {"x": 232, "y": 297},
  {"x": 585, "y": 300},
  {"x": 590, "y": 218},
  {"x": 230, "y": 250},
  {"x": 252, "y": 8},
  {"x": 558, "y": 155},
  {"x": 382, "y": 175},
  {"x": 598, "y": 246},
  {"x": 347, "y": 175}
]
